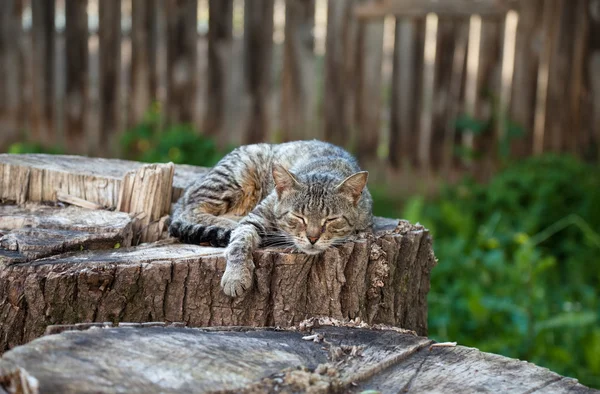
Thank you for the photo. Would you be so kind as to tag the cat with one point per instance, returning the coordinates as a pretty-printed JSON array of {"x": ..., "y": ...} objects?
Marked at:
[{"x": 309, "y": 195}]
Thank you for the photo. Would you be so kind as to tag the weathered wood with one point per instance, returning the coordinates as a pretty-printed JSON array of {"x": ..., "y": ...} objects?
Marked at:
[
  {"x": 35, "y": 231},
  {"x": 143, "y": 59},
  {"x": 258, "y": 56},
  {"x": 170, "y": 359},
  {"x": 339, "y": 70},
  {"x": 42, "y": 29},
  {"x": 369, "y": 57},
  {"x": 593, "y": 77},
  {"x": 467, "y": 370},
  {"x": 220, "y": 41},
  {"x": 420, "y": 8},
  {"x": 148, "y": 191},
  {"x": 298, "y": 76},
  {"x": 378, "y": 279},
  {"x": 181, "y": 59},
  {"x": 109, "y": 35},
  {"x": 10, "y": 69},
  {"x": 76, "y": 100},
  {"x": 39, "y": 177}
]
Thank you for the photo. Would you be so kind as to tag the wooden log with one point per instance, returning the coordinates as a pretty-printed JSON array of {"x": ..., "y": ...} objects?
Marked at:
[
  {"x": 220, "y": 41},
  {"x": 181, "y": 59},
  {"x": 39, "y": 177},
  {"x": 109, "y": 80},
  {"x": 380, "y": 278},
  {"x": 168, "y": 359},
  {"x": 258, "y": 57},
  {"x": 76, "y": 41},
  {"x": 42, "y": 114},
  {"x": 144, "y": 78},
  {"x": 33, "y": 231}
]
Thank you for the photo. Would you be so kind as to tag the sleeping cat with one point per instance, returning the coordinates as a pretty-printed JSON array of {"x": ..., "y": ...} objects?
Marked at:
[{"x": 309, "y": 195}]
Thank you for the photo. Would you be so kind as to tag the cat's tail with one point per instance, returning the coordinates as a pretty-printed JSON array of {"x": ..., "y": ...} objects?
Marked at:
[{"x": 192, "y": 233}]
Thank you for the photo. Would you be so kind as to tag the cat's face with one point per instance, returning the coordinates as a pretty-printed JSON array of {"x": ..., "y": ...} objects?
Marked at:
[{"x": 315, "y": 214}]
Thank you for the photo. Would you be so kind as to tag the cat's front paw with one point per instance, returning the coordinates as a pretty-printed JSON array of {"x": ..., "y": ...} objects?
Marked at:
[{"x": 237, "y": 279}]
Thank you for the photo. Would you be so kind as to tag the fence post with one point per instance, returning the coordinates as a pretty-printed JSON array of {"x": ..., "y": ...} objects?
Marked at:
[
  {"x": 369, "y": 57},
  {"x": 182, "y": 39},
  {"x": 76, "y": 42},
  {"x": 593, "y": 77},
  {"x": 10, "y": 70},
  {"x": 110, "y": 64},
  {"x": 42, "y": 29},
  {"x": 258, "y": 54},
  {"x": 339, "y": 71},
  {"x": 298, "y": 69},
  {"x": 143, "y": 59},
  {"x": 220, "y": 36}
]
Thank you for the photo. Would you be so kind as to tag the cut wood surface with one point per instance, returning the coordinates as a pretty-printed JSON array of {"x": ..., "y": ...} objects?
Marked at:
[
  {"x": 34, "y": 231},
  {"x": 38, "y": 177},
  {"x": 321, "y": 359}
]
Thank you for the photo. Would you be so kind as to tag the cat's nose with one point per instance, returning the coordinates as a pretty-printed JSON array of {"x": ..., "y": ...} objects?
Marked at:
[{"x": 312, "y": 240}]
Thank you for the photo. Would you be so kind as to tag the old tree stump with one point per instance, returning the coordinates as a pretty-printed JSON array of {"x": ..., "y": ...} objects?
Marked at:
[
  {"x": 85, "y": 258},
  {"x": 67, "y": 256}
]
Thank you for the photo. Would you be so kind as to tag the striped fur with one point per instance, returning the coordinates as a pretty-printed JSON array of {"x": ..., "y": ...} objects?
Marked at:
[{"x": 305, "y": 195}]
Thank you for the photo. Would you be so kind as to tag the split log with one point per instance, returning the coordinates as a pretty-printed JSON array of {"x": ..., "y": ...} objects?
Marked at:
[
  {"x": 35, "y": 231},
  {"x": 245, "y": 360},
  {"x": 380, "y": 278},
  {"x": 38, "y": 177}
]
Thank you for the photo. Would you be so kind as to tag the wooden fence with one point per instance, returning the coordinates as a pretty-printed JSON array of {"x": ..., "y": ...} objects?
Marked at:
[{"x": 409, "y": 83}]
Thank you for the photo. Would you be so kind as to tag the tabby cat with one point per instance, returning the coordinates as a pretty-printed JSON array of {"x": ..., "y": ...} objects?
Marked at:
[{"x": 309, "y": 195}]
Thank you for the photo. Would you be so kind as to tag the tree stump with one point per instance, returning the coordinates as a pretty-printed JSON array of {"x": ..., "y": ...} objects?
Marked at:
[
  {"x": 98, "y": 274},
  {"x": 322, "y": 359}
]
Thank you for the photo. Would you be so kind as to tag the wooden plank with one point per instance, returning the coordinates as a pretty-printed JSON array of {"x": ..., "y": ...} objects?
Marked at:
[
  {"x": 369, "y": 58},
  {"x": 339, "y": 60},
  {"x": 180, "y": 282},
  {"x": 467, "y": 370},
  {"x": 144, "y": 78},
  {"x": 34, "y": 231},
  {"x": 427, "y": 95},
  {"x": 298, "y": 77},
  {"x": 110, "y": 66},
  {"x": 258, "y": 57},
  {"x": 420, "y": 8},
  {"x": 38, "y": 177},
  {"x": 574, "y": 142},
  {"x": 76, "y": 100},
  {"x": 11, "y": 70},
  {"x": 43, "y": 36},
  {"x": 527, "y": 55},
  {"x": 220, "y": 41},
  {"x": 181, "y": 60}
]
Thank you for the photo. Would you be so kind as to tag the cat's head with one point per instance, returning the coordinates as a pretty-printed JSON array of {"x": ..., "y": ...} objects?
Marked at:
[{"x": 317, "y": 211}]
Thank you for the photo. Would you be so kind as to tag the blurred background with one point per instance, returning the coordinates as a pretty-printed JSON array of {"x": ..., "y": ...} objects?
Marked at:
[{"x": 478, "y": 118}]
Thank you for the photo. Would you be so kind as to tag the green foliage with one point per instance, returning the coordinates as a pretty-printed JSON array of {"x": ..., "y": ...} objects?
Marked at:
[
  {"x": 519, "y": 264},
  {"x": 180, "y": 143},
  {"x": 28, "y": 147}
]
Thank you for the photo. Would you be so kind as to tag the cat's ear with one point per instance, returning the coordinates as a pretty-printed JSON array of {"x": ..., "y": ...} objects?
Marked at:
[
  {"x": 353, "y": 186},
  {"x": 284, "y": 180}
]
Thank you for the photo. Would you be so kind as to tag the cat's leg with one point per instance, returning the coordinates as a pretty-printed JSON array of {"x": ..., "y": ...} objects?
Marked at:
[{"x": 245, "y": 238}]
